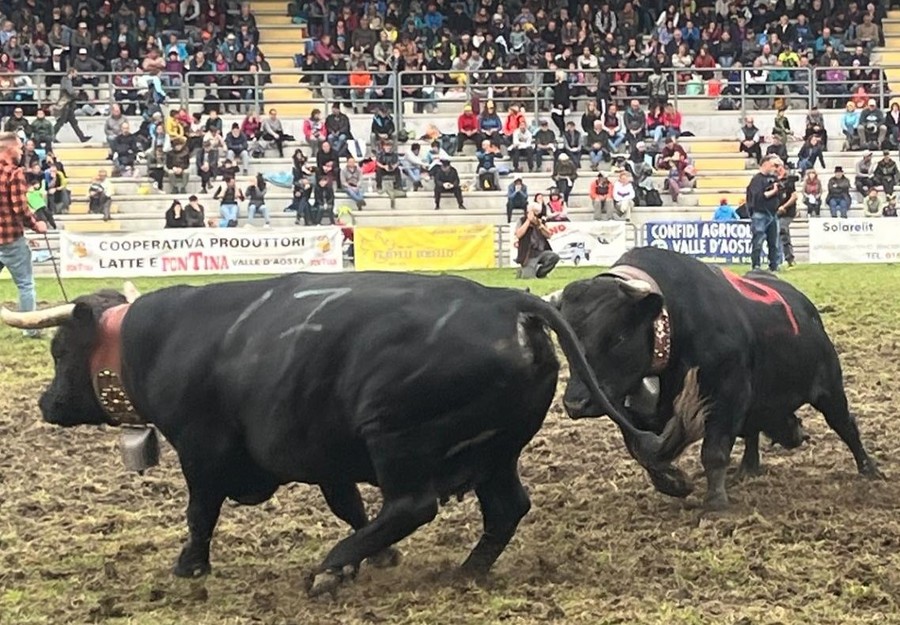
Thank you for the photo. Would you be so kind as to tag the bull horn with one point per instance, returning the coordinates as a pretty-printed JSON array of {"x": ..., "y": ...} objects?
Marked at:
[
  {"x": 130, "y": 291},
  {"x": 37, "y": 319},
  {"x": 554, "y": 298},
  {"x": 636, "y": 289}
]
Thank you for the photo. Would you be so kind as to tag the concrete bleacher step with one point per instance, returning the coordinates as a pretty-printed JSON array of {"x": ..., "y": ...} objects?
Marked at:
[
  {"x": 275, "y": 33},
  {"x": 280, "y": 62},
  {"x": 284, "y": 48},
  {"x": 93, "y": 225},
  {"x": 271, "y": 19},
  {"x": 85, "y": 152},
  {"x": 891, "y": 27}
]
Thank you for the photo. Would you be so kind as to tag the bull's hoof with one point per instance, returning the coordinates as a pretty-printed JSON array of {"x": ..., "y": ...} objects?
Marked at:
[
  {"x": 329, "y": 581},
  {"x": 870, "y": 470},
  {"x": 716, "y": 502},
  {"x": 189, "y": 567},
  {"x": 750, "y": 471},
  {"x": 385, "y": 559},
  {"x": 671, "y": 481}
]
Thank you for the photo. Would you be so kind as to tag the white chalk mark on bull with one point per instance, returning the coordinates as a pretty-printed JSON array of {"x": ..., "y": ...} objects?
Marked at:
[
  {"x": 249, "y": 310},
  {"x": 327, "y": 295},
  {"x": 477, "y": 440},
  {"x": 455, "y": 305}
]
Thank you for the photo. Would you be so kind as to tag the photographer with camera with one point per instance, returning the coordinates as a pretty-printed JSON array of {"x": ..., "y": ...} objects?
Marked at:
[
  {"x": 535, "y": 257},
  {"x": 787, "y": 211},
  {"x": 762, "y": 204}
]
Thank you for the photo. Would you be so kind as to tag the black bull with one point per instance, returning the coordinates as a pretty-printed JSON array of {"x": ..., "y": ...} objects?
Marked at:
[
  {"x": 744, "y": 355},
  {"x": 427, "y": 387}
]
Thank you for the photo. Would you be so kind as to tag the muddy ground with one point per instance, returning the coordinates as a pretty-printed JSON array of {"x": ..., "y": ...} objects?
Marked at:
[{"x": 82, "y": 541}]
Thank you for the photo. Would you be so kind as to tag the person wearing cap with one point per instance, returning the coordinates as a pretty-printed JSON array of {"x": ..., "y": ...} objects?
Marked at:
[
  {"x": 467, "y": 128},
  {"x": 762, "y": 204},
  {"x": 516, "y": 198},
  {"x": 87, "y": 67},
  {"x": 786, "y": 212},
  {"x": 600, "y": 192},
  {"x": 871, "y": 129},
  {"x": 886, "y": 175},
  {"x": 838, "y": 198},
  {"x": 534, "y": 255},
  {"x": 864, "y": 170},
  {"x": 544, "y": 143},
  {"x": 65, "y": 107},
  {"x": 565, "y": 172},
  {"x": 446, "y": 180}
]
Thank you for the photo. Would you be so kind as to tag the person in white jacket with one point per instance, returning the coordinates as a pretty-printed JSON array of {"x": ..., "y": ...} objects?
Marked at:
[
  {"x": 522, "y": 146},
  {"x": 623, "y": 196}
]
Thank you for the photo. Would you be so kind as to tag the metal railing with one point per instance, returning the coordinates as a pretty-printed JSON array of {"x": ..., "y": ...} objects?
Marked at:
[{"x": 414, "y": 91}]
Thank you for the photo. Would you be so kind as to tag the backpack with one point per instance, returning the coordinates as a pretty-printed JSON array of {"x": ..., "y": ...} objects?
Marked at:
[{"x": 653, "y": 198}]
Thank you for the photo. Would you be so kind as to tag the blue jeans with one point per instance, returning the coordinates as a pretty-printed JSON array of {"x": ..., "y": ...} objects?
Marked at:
[
  {"x": 252, "y": 210},
  {"x": 765, "y": 228},
  {"x": 839, "y": 206},
  {"x": 355, "y": 195},
  {"x": 227, "y": 212},
  {"x": 16, "y": 257}
]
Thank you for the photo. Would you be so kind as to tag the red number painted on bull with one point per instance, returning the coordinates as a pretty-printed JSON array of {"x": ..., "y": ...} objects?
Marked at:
[{"x": 762, "y": 293}]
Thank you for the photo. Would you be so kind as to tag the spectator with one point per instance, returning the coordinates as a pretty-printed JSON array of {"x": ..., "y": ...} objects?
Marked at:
[
  {"x": 486, "y": 169},
  {"x": 351, "y": 183},
  {"x": 871, "y": 129},
  {"x": 58, "y": 197},
  {"x": 324, "y": 200},
  {"x": 446, "y": 180},
  {"x": 613, "y": 127},
  {"x": 100, "y": 195},
  {"x": 838, "y": 198},
  {"x": 360, "y": 86},
  {"x": 556, "y": 207},
  {"x": 272, "y": 130},
  {"x": 251, "y": 127},
  {"x": 113, "y": 126},
  {"x": 124, "y": 152},
  {"x": 572, "y": 143},
  {"x": 786, "y": 212},
  {"x": 238, "y": 147},
  {"x": 601, "y": 194},
  {"x": 521, "y": 145},
  {"x": 635, "y": 121},
  {"x": 849, "y": 126},
  {"x": 207, "y": 161},
  {"x": 194, "y": 214},
  {"x": 337, "y": 125},
  {"x": 18, "y": 124},
  {"x": 490, "y": 126},
  {"x": 623, "y": 195},
  {"x": 177, "y": 164},
  {"x": 782, "y": 129},
  {"x": 535, "y": 256},
  {"x": 467, "y": 126},
  {"x": 864, "y": 170},
  {"x": 516, "y": 198},
  {"x": 749, "y": 139},
  {"x": 890, "y": 207},
  {"x": 65, "y": 107},
  {"x": 230, "y": 196},
  {"x": 175, "y": 217},
  {"x": 562, "y": 101},
  {"x": 36, "y": 197},
  {"x": 886, "y": 175},
  {"x": 414, "y": 166},
  {"x": 301, "y": 202},
  {"x": 564, "y": 175},
  {"x": 544, "y": 144},
  {"x": 514, "y": 120},
  {"x": 810, "y": 152},
  {"x": 313, "y": 131},
  {"x": 725, "y": 212},
  {"x": 327, "y": 164},
  {"x": 383, "y": 127},
  {"x": 872, "y": 204},
  {"x": 42, "y": 131},
  {"x": 256, "y": 201}
]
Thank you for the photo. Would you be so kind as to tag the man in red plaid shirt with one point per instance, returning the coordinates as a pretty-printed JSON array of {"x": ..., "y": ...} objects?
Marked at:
[{"x": 15, "y": 216}]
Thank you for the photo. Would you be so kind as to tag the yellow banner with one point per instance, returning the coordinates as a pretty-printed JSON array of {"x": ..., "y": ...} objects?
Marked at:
[{"x": 424, "y": 248}]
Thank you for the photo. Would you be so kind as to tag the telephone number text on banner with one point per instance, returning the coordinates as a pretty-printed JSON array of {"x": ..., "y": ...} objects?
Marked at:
[
  {"x": 857, "y": 240},
  {"x": 580, "y": 242},
  {"x": 199, "y": 251},
  {"x": 711, "y": 241},
  {"x": 428, "y": 248}
]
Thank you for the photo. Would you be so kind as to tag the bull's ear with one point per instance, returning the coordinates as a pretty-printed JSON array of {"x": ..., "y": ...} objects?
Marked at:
[
  {"x": 648, "y": 308},
  {"x": 83, "y": 313},
  {"x": 130, "y": 292}
]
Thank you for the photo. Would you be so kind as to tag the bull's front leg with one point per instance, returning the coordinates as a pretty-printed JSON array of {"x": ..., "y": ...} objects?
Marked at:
[
  {"x": 750, "y": 466},
  {"x": 730, "y": 403},
  {"x": 204, "y": 505}
]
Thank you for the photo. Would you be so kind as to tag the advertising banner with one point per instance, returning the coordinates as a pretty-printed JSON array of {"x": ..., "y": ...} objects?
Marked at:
[
  {"x": 196, "y": 251},
  {"x": 857, "y": 240},
  {"x": 424, "y": 248},
  {"x": 580, "y": 242},
  {"x": 726, "y": 242}
]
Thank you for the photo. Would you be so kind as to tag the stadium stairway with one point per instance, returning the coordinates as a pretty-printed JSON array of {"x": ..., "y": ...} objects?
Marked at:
[
  {"x": 890, "y": 54},
  {"x": 280, "y": 39}
]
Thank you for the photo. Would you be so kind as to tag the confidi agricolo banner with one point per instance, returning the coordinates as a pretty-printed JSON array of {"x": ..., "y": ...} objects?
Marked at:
[{"x": 195, "y": 251}]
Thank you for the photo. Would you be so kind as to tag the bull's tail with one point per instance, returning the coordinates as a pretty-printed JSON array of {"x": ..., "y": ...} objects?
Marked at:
[
  {"x": 688, "y": 422},
  {"x": 645, "y": 446}
]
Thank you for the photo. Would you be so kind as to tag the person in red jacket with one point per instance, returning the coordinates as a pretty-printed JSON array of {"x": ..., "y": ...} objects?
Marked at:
[
  {"x": 513, "y": 118},
  {"x": 467, "y": 124}
]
